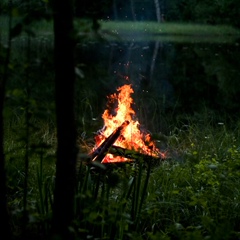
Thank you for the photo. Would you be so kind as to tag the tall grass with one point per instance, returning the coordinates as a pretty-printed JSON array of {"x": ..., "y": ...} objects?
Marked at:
[{"x": 193, "y": 194}]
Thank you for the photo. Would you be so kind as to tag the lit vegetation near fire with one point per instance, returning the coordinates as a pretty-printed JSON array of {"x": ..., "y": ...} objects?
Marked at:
[{"x": 194, "y": 194}]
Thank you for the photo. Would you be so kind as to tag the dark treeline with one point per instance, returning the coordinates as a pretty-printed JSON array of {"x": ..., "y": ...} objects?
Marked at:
[{"x": 198, "y": 11}]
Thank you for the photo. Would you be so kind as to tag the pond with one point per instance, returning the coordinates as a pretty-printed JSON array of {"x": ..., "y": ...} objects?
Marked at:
[{"x": 169, "y": 78}]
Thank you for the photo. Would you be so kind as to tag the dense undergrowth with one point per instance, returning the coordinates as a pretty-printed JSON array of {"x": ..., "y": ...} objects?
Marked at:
[{"x": 193, "y": 194}]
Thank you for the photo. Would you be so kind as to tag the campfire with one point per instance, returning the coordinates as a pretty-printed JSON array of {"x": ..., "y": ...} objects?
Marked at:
[{"x": 120, "y": 139}]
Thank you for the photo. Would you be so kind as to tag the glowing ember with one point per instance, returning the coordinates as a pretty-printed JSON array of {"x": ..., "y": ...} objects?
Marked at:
[{"x": 131, "y": 137}]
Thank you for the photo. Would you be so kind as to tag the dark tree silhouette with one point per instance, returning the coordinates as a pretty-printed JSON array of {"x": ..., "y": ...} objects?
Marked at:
[
  {"x": 4, "y": 217},
  {"x": 66, "y": 131},
  {"x": 5, "y": 229}
]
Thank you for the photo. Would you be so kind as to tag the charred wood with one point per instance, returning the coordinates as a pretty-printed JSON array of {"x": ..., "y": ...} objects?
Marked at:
[{"x": 99, "y": 153}]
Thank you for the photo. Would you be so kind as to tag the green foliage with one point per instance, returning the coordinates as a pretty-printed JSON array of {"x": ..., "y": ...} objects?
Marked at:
[
  {"x": 109, "y": 202},
  {"x": 197, "y": 198},
  {"x": 192, "y": 195}
]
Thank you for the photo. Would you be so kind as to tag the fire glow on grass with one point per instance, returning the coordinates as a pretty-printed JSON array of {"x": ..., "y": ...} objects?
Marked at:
[{"x": 131, "y": 137}]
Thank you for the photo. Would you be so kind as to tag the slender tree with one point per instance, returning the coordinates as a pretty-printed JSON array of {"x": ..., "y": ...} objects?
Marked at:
[
  {"x": 154, "y": 59},
  {"x": 158, "y": 10},
  {"x": 133, "y": 10},
  {"x": 115, "y": 10},
  {"x": 63, "y": 209}
]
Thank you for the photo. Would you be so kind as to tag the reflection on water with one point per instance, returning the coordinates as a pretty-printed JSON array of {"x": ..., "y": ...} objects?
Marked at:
[
  {"x": 170, "y": 76},
  {"x": 167, "y": 77}
]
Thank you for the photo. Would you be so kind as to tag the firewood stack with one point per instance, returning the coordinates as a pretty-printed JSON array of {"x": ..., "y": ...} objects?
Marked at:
[{"x": 108, "y": 146}]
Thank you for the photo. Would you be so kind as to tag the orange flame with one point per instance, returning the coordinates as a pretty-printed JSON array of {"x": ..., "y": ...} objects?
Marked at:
[{"x": 131, "y": 137}]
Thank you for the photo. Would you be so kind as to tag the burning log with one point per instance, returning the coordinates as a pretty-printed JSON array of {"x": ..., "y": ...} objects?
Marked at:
[
  {"x": 99, "y": 153},
  {"x": 131, "y": 154}
]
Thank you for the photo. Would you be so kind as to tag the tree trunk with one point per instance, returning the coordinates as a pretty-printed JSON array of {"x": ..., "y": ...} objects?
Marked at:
[
  {"x": 63, "y": 209},
  {"x": 115, "y": 10},
  {"x": 158, "y": 11},
  {"x": 133, "y": 10},
  {"x": 4, "y": 217},
  {"x": 154, "y": 59},
  {"x": 5, "y": 229}
]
